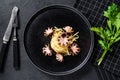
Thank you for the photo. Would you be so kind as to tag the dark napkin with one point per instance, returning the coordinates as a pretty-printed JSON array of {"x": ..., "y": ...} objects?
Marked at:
[
  {"x": 106, "y": 75},
  {"x": 93, "y": 10}
]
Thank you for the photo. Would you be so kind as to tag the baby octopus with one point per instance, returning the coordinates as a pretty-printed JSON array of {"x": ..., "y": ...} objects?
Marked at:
[{"x": 62, "y": 42}]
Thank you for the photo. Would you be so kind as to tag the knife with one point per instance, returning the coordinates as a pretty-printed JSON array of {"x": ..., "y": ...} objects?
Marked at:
[{"x": 7, "y": 36}]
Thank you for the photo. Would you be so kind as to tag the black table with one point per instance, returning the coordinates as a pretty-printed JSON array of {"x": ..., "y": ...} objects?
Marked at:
[{"x": 28, "y": 71}]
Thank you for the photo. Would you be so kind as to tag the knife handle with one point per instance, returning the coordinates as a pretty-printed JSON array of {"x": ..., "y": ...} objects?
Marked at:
[
  {"x": 16, "y": 55},
  {"x": 2, "y": 56}
]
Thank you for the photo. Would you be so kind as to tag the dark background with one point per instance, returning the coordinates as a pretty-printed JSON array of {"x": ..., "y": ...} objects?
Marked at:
[{"x": 28, "y": 72}]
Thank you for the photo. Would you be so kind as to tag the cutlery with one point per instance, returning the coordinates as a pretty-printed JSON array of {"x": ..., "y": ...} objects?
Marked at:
[{"x": 7, "y": 36}]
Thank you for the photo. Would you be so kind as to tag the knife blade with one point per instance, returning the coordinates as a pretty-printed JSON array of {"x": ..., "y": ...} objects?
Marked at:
[
  {"x": 9, "y": 28},
  {"x": 6, "y": 37}
]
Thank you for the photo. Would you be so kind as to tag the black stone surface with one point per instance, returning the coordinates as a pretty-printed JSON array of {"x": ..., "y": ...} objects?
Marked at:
[{"x": 28, "y": 71}]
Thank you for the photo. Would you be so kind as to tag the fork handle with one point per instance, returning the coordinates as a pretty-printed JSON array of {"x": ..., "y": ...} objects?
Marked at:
[{"x": 16, "y": 55}]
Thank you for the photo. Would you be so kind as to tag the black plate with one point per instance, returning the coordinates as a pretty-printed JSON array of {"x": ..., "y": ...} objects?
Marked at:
[{"x": 60, "y": 16}]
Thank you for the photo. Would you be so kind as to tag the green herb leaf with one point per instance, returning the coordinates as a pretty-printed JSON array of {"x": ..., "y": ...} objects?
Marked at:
[
  {"x": 117, "y": 21},
  {"x": 117, "y": 39},
  {"x": 102, "y": 43},
  {"x": 109, "y": 24},
  {"x": 98, "y": 31}
]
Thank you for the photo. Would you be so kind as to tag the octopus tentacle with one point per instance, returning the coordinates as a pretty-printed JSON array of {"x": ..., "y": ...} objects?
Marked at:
[
  {"x": 47, "y": 51},
  {"x": 59, "y": 57},
  {"x": 48, "y": 31},
  {"x": 74, "y": 49}
]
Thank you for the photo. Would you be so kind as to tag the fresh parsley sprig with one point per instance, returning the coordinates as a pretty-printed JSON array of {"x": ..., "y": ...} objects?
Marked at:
[{"x": 110, "y": 34}]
